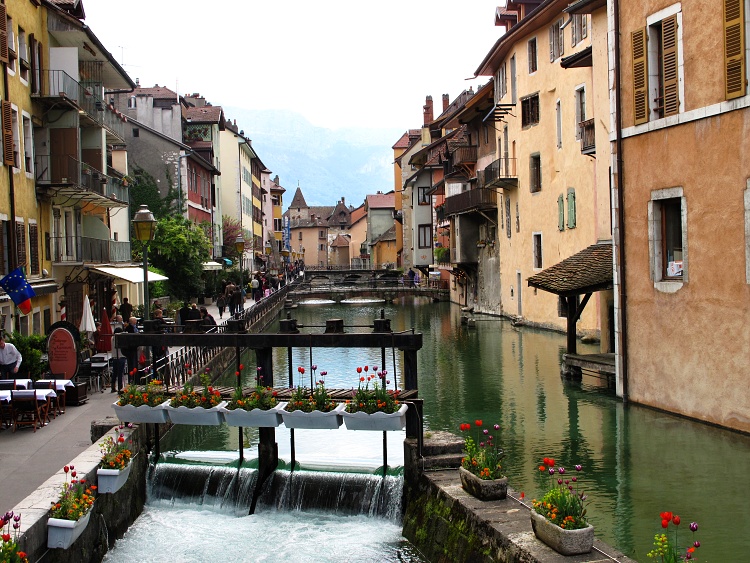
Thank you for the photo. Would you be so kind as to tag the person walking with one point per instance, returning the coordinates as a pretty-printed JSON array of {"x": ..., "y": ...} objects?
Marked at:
[
  {"x": 237, "y": 300},
  {"x": 10, "y": 359},
  {"x": 126, "y": 309},
  {"x": 228, "y": 292},
  {"x": 118, "y": 363},
  {"x": 221, "y": 303}
]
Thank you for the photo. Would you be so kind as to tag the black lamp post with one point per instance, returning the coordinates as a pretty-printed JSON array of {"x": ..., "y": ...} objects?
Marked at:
[
  {"x": 145, "y": 229},
  {"x": 239, "y": 246}
]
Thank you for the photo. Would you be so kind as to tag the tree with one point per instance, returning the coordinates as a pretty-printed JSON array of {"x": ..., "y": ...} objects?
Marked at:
[
  {"x": 231, "y": 228},
  {"x": 179, "y": 249},
  {"x": 143, "y": 189}
]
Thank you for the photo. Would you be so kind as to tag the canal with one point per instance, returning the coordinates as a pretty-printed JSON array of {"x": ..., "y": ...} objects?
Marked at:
[{"x": 637, "y": 462}]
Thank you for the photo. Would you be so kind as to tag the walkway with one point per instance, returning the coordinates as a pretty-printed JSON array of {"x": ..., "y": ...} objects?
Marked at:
[{"x": 28, "y": 458}]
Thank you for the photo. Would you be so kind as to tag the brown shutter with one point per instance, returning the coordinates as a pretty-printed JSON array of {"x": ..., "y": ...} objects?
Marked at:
[
  {"x": 734, "y": 49},
  {"x": 640, "y": 75},
  {"x": 34, "y": 249},
  {"x": 669, "y": 65},
  {"x": 32, "y": 61},
  {"x": 7, "y": 119},
  {"x": 3, "y": 34},
  {"x": 21, "y": 243}
]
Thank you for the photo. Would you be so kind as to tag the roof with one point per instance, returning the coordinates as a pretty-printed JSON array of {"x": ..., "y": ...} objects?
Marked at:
[
  {"x": 390, "y": 234},
  {"x": 204, "y": 114},
  {"x": 340, "y": 241},
  {"x": 586, "y": 271},
  {"x": 157, "y": 92},
  {"x": 381, "y": 201},
  {"x": 358, "y": 214},
  {"x": 298, "y": 200}
]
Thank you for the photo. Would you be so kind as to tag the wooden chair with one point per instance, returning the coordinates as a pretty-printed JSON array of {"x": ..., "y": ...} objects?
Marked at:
[
  {"x": 53, "y": 405},
  {"x": 7, "y": 385},
  {"x": 25, "y": 410},
  {"x": 6, "y": 420}
]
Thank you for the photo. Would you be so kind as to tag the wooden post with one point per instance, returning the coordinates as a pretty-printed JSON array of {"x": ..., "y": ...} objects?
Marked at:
[
  {"x": 571, "y": 327},
  {"x": 410, "y": 370},
  {"x": 264, "y": 360}
]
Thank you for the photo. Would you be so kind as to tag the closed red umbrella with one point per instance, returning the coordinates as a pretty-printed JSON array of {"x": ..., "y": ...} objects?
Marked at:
[{"x": 104, "y": 341}]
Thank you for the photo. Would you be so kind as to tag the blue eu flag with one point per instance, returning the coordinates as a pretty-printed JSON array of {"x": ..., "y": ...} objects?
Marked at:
[{"x": 18, "y": 289}]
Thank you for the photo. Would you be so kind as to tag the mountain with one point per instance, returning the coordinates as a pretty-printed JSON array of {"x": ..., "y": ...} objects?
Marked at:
[{"x": 327, "y": 163}]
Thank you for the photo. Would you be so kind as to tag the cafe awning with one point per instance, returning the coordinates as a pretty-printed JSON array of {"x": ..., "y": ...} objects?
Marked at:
[
  {"x": 210, "y": 265},
  {"x": 132, "y": 274}
]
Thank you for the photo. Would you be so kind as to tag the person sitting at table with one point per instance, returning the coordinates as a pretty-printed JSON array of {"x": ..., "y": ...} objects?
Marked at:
[
  {"x": 10, "y": 359},
  {"x": 118, "y": 363},
  {"x": 208, "y": 320}
]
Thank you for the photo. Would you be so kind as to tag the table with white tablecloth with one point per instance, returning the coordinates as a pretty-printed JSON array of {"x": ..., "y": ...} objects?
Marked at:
[{"x": 19, "y": 383}]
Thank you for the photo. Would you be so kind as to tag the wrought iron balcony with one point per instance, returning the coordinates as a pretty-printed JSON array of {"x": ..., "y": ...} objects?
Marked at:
[
  {"x": 500, "y": 173},
  {"x": 588, "y": 137},
  {"x": 77, "y": 249},
  {"x": 471, "y": 200},
  {"x": 58, "y": 86}
]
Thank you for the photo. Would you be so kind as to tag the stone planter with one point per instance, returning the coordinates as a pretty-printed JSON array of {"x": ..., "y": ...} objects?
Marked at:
[
  {"x": 111, "y": 480},
  {"x": 376, "y": 421},
  {"x": 566, "y": 542},
  {"x": 62, "y": 533},
  {"x": 483, "y": 489},
  {"x": 197, "y": 416},
  {"x": 254, "y": 418},
  {"x": 315, "y": 419},
  {"x": 141, "y": 414}
]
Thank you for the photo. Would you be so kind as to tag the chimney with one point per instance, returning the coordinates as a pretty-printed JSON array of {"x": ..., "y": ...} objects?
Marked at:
[
  {"x": 343, "y": 200},
  {"x": 428, "y": 115},
  {"x": 446, "y": 102}
]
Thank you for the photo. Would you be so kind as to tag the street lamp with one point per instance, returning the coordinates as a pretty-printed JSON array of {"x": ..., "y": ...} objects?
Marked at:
[
  {"x": 239, "y": 246},
  {"x": 145, "y": 229}
]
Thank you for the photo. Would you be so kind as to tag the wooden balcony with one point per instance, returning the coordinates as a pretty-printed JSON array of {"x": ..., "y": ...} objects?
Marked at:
[
  {"x": 500, "y": 173},
  {"x": 588, "y": 138},
  {"x": 471, "y": 201}
]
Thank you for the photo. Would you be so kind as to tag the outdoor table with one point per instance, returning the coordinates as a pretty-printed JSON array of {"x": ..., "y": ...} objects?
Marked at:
[
  {"x": 20, "y": 383},
  {"x": 40, "y": 394},
  {"x": 59, "y": 386}
]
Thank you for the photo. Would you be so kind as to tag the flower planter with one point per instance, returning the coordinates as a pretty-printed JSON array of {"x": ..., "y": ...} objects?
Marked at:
[
  {"x": 111, "y": 480},
  {"x": 254, "y": 418},
  {"x": 315, "y": 419},
  {"x": 197, "y": 416},
  {"x": 483, "y": 489},
  {"x": 141, "y": 414},
  {"x": 566, "y": 542},
  {"x": 62, "y": 533},
  {"x": 377, "y": 420}
]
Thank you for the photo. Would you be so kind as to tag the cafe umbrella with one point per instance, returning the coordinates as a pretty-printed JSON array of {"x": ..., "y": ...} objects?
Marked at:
[{"x": 104, "y": 340}]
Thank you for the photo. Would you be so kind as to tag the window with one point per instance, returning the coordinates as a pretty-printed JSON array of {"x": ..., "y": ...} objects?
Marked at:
[
  {"x": 23, "y": 55},
  {"x": 11, "y": 45},
  {"x": 33, "y": 249},
  {"x": 501, "y": 82},
  {"x": 508, "y": 228},
  {"x": 131, "y": 102},
  {"x": 423, "y": 196},
  {"x": 571, "y": 208},
  {"x": 735, "y": 72},
  {"x": 28, "y": 145},
  {"x": 579, "y": 30},
  {"x": 532, "y": 55},
  {"x": 425, "y": 236},
  {"x": 321, "y": 234},
  {"x": 16, "y": 148},
  {"x": 668, "y": 236},
  {"x": 530, "y": 110},
  {"x": 21, "y": 242},
  {"x": 299, "y": 235},
  {"x": 558, "y": 119},
  {"x": 278, "y": 225},
  {"x": 136, "y": 132},
  {"x": 513, "y": 94},
  {"x": 321, "y": 247},
  {"x": 36, "y": 64},
  {"x": 556, "y": 44},
  {"x": 535, "y": 173},
  {"x": 580, "y": 110},
  {"x": 518, "y": 219},
  {"x": 537, "y": 243}
]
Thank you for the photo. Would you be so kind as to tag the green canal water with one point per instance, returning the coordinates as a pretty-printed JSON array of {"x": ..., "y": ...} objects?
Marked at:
[{"x": 636, "y": 462}]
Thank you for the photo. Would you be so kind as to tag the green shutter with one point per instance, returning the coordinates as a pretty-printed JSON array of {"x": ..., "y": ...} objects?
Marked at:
[
  {"x": 560, "y": 213},
  {"x": 571, "y": 208}
]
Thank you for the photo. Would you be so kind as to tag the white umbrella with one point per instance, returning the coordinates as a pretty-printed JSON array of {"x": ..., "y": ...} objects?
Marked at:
[{"x": 87, "y": 319}]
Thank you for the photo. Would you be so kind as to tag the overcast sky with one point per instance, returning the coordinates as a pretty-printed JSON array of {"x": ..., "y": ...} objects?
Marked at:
[{"x": 340, "y": 63}]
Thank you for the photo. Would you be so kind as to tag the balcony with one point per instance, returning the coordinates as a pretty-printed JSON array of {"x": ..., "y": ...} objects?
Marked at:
[
  {"x": 471, "y": 201},
  {"x": 588, "y": 137},
  {"x": 77, "y": 250},
  {"x": 64, "y": 176},
  {"x": 500, "y": 173},
  {"x": 463, "y": 159},
  {"x": 58, "y": 86}
]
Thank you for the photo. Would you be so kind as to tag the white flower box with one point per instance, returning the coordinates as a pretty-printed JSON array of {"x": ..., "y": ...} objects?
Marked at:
[
  {"x": 313, "y": 420},
  {"x": 112, "y": 480},
  {"x": 141, "y": 414},
  {"x": 62, "y": 533},
  {"x": 253, "y": 418},
  {"x": 376, "y": 421},
  {"x": 197, "y": 416}
]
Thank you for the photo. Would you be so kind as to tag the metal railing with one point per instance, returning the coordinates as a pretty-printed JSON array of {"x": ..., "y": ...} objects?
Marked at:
[
  {"x": 73, "y": 248},
  {"x": 588, "y": 136},
  {"x": 59, "y": 84},
  {"x": 499, "y": 169},
  {"x": 471, "y": 200}
]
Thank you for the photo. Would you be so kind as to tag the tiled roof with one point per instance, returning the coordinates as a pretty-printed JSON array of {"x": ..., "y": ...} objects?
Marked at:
[
  {"x": 381, "y": 201},
  {"x": 157, "y": 92},
  {"x": 586, "y": 271},
  {"x": 390, "y": 234},
  {"x": 407, "y": 138},
  {"x": 298, "y": 201},
  {"x": 204, "y": 114},
  {"x": 340, "y": 241},
  {"x": 358, "y": 214}
]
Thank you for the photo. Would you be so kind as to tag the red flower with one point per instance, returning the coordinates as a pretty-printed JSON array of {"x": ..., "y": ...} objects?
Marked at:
[
  {"x": 242, "y": 367},
  {"x": 66, "y": 469},
  {"x": 664, "y": 523},
  {"x": 359, "y": 370},
  {"x": 676, "y": 520},
  {"x": 478, "y": 422},
  {"x": 523, "y": 495},
  {"x": 6, "y": 537},
  {"x": 366, "y": 368}
]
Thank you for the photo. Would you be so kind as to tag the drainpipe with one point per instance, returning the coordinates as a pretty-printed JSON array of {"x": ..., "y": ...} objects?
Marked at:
[
  {"x": 13, "y": 254},
  {"x": 620, "y": 207}
]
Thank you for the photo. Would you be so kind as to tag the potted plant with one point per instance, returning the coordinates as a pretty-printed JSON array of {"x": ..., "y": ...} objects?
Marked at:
[
  {"x": 9, "y": 550},
  {"x": 312, "y": 408},
  {"x": 69, "y": 515},
  {"x": 480, "y": 471},
  {"x": 668, "y": 551},
  {"x": 259, "y": 408},
  {"x": 197, "y": 408},
  {"x": 142, "y": 404},
  {"x": 376, "y": 408},
  {"x": 115, "y": 465},
  {"x": 559, "y": 518}
]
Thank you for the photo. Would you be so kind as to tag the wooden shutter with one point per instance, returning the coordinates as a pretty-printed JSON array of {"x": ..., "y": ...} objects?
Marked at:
[
  {"x": 21, "y": 243},
  {"x": 584, "y": 25},
  {"x": 571, "y": 208},
  {"x": 7, "y": 119},
  {"x": 552, "y": 39},
  {"x": 32, "y": 62},
  {"x": 669, "y": 74},
  {"x": 640, "y": 75},
  {"x": 734, "y": 49},
  {"x": 34, "y": 249},
  {"x": 3, "y": 34},
  {"x": 560, "y": 213},
  {"x": 560, "y": 38}
]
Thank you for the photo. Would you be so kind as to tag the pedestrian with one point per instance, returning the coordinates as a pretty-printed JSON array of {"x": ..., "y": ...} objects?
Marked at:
[
  {"x": 118, "y": 363},
  {"x": 126, "y": 309},
  {"x": 184, "y": 314},
  {"x": 221, "y": 303},
  {"x": 10, "y": 359},
  {"x": 228, "y": 292},
  {"x": 237, "y": 300},
  {"x": 254, "y": 285},
  {"x": 207, "y": 319},
  {"x": 131, "y": 352}
]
